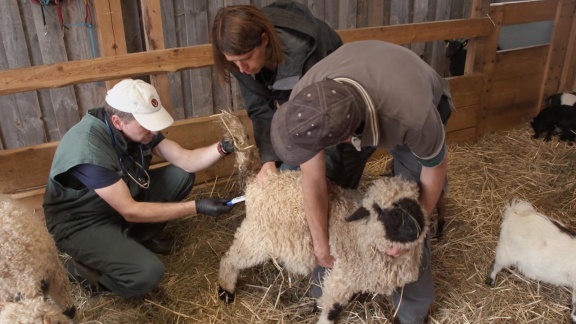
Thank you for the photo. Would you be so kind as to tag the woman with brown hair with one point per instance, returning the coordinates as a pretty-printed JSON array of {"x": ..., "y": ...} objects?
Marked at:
[{"x": 267, "y": 50}]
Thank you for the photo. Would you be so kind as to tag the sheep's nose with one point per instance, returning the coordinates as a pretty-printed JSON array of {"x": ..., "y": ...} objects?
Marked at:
[{"x": 396, "y": 252}]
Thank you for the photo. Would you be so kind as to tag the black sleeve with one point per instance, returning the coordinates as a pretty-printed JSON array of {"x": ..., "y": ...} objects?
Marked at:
[{"x": 260, "y": 107}]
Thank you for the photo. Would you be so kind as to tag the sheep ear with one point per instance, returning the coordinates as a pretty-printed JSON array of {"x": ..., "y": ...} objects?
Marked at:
[{"x": 358, "y": 214}]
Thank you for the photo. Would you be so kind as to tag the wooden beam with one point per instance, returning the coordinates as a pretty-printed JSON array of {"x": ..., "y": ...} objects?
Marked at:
[
  {"x": 475, "y": 47},
  {"x": 154, "y": 37},
  {"x": 421, "y": 32},
  {"x": 104, "y": 68},
  {"x": 521, "y": 62},
  {"x": 466, "y": 90},
  {"x": 489, "y": 46},
  {"x": 176, "y": 59},
  {"x": 558, "y": 46},
  {"x": 26, "y": 169},
  {"x": 522, "y": 12},
  {"x": 111, "y": 37},
  {"x": 568, "y": 78}
]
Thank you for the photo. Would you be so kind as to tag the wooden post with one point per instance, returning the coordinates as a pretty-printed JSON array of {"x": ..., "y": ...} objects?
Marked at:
[
  {"x": 568, "y": 78},
  {"x": 488, "y": 55},
  {"x": 154, "y": 37},
  {"x": 110, "y": 30},
  {"x": 480, "y": 8},
  {"x": 557, "y": 50}
]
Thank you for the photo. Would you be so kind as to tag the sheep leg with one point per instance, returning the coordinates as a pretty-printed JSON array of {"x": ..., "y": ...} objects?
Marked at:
[
  {"x": 238, "y": 257},
  {"x": 59, "y": 290},
  {"x": 335, "y": 296},
  {"x": 440, "y": 211},
  {"x": 573, "y": 315},
  {"x": 491, "y": 278},
  {"x": 548, "y": 136}
]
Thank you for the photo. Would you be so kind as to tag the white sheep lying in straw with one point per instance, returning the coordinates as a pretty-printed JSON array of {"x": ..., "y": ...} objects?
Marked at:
[
  {"x": 30, "y": 269},
  {"x": 537, "y": 246},
  {"x": 361, "y": 229}
]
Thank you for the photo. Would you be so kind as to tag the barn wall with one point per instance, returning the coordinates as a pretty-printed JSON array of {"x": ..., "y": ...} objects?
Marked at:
[
  {"x": 499, "y": 90},
  {"x": 108, "y": 28}
]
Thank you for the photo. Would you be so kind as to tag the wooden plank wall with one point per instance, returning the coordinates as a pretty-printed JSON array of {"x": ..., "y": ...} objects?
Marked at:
[
  {"x": 521, "y": 78},
  {"x": 25, "y": 170},
  {"x": 134, "y": 26},
  {"x": 495, "y": 95}
]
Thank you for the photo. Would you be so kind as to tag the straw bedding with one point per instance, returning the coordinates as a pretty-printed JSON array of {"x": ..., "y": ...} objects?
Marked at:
[{"x": 482, "y": 176}]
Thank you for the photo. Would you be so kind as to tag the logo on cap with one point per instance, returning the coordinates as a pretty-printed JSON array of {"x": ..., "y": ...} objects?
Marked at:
[{"x": 154, "y": 102}]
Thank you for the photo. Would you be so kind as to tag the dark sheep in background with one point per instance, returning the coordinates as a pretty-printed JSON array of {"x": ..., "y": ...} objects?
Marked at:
[
  {"x": 456, "y": 51},
  {"x": 562, "y": 98},
  {"x": 550, "y": 118}
]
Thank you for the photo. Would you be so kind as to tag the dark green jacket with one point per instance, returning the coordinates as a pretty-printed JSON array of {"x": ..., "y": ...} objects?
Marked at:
[{"x": 69, "y": 207}]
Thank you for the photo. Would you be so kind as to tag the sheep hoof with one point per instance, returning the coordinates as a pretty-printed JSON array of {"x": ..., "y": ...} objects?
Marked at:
[
  {"x": 489, "y": 281},
  {"x": 439, "y": 230},
  {"x": 315, "y": 308},
  {"x": 226, "y": 296},
  {"x": 70, "y": 312},
  {"x": 334, "y": 312}
]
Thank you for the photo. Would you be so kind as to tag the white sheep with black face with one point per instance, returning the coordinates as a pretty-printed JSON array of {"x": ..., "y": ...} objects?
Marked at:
[
  {"x": 361, "y": 229},
  {"x": 536, "y": 245},
  {"x": 30, "y": 269}
]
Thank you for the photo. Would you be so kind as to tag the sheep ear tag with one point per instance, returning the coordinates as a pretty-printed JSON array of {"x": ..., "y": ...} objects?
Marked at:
[{"x": 358, "y": 214}]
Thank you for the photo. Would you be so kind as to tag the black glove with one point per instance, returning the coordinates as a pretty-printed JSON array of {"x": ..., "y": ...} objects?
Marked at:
[
  {"x": 225, "y": 147},
  {"x": 212, "y": 206}
]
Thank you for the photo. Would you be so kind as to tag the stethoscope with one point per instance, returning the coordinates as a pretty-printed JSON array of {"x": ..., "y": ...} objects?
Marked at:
[{"x": 143, "y": 180}]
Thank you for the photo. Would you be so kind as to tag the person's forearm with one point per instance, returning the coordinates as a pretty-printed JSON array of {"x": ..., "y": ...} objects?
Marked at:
[
  {"x": 190, "y": 161},
  {"x": 200, "y": 158},
  {"x": 153, "y": 212},
  {"x": 316, "y": 204},
  {"x": 432, "y": 182}
]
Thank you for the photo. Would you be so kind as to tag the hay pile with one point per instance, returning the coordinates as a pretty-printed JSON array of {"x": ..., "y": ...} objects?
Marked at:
[{"x": 483, "y": 177}]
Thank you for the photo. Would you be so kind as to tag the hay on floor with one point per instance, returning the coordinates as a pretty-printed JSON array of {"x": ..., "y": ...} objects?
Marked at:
[{"x": 482, "y": 177}]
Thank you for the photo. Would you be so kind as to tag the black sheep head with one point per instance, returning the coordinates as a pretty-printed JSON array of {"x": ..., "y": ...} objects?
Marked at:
[
  {"x": 403, "y": 222},
  {"x": 454, "y": 46}
]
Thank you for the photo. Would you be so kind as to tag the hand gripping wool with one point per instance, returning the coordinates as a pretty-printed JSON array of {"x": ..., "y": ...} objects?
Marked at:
[{"x": 361, "y": 229}]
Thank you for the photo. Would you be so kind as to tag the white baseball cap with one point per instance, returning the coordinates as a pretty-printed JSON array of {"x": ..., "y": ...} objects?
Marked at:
[{"x": 142, "y": 101}]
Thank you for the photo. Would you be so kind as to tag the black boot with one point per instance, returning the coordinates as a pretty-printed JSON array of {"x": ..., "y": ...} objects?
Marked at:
[
  {"x": 163, "y": 246},
  {"x": 83, "y": 275}
]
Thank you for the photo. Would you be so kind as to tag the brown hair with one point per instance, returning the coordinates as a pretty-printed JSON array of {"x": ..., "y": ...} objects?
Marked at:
[
  {"x": 238, "y": 30},
  {"x": 124, "y": 116}
]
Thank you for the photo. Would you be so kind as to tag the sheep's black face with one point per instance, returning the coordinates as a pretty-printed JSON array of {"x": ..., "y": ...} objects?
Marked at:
[
  {"x": 454, "y": 46},
  {"x": 403, "y": 222}
]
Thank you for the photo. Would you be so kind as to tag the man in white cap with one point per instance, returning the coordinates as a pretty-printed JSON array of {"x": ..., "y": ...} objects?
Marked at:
[
  {"x": 106, "y": 208},
  {"x": 370, "y": 94}
]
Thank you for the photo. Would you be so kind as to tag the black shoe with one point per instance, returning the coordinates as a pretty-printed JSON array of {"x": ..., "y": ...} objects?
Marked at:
[
  {"x": 83, "y": 275},
  {"x": 163, "y": 246}
]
